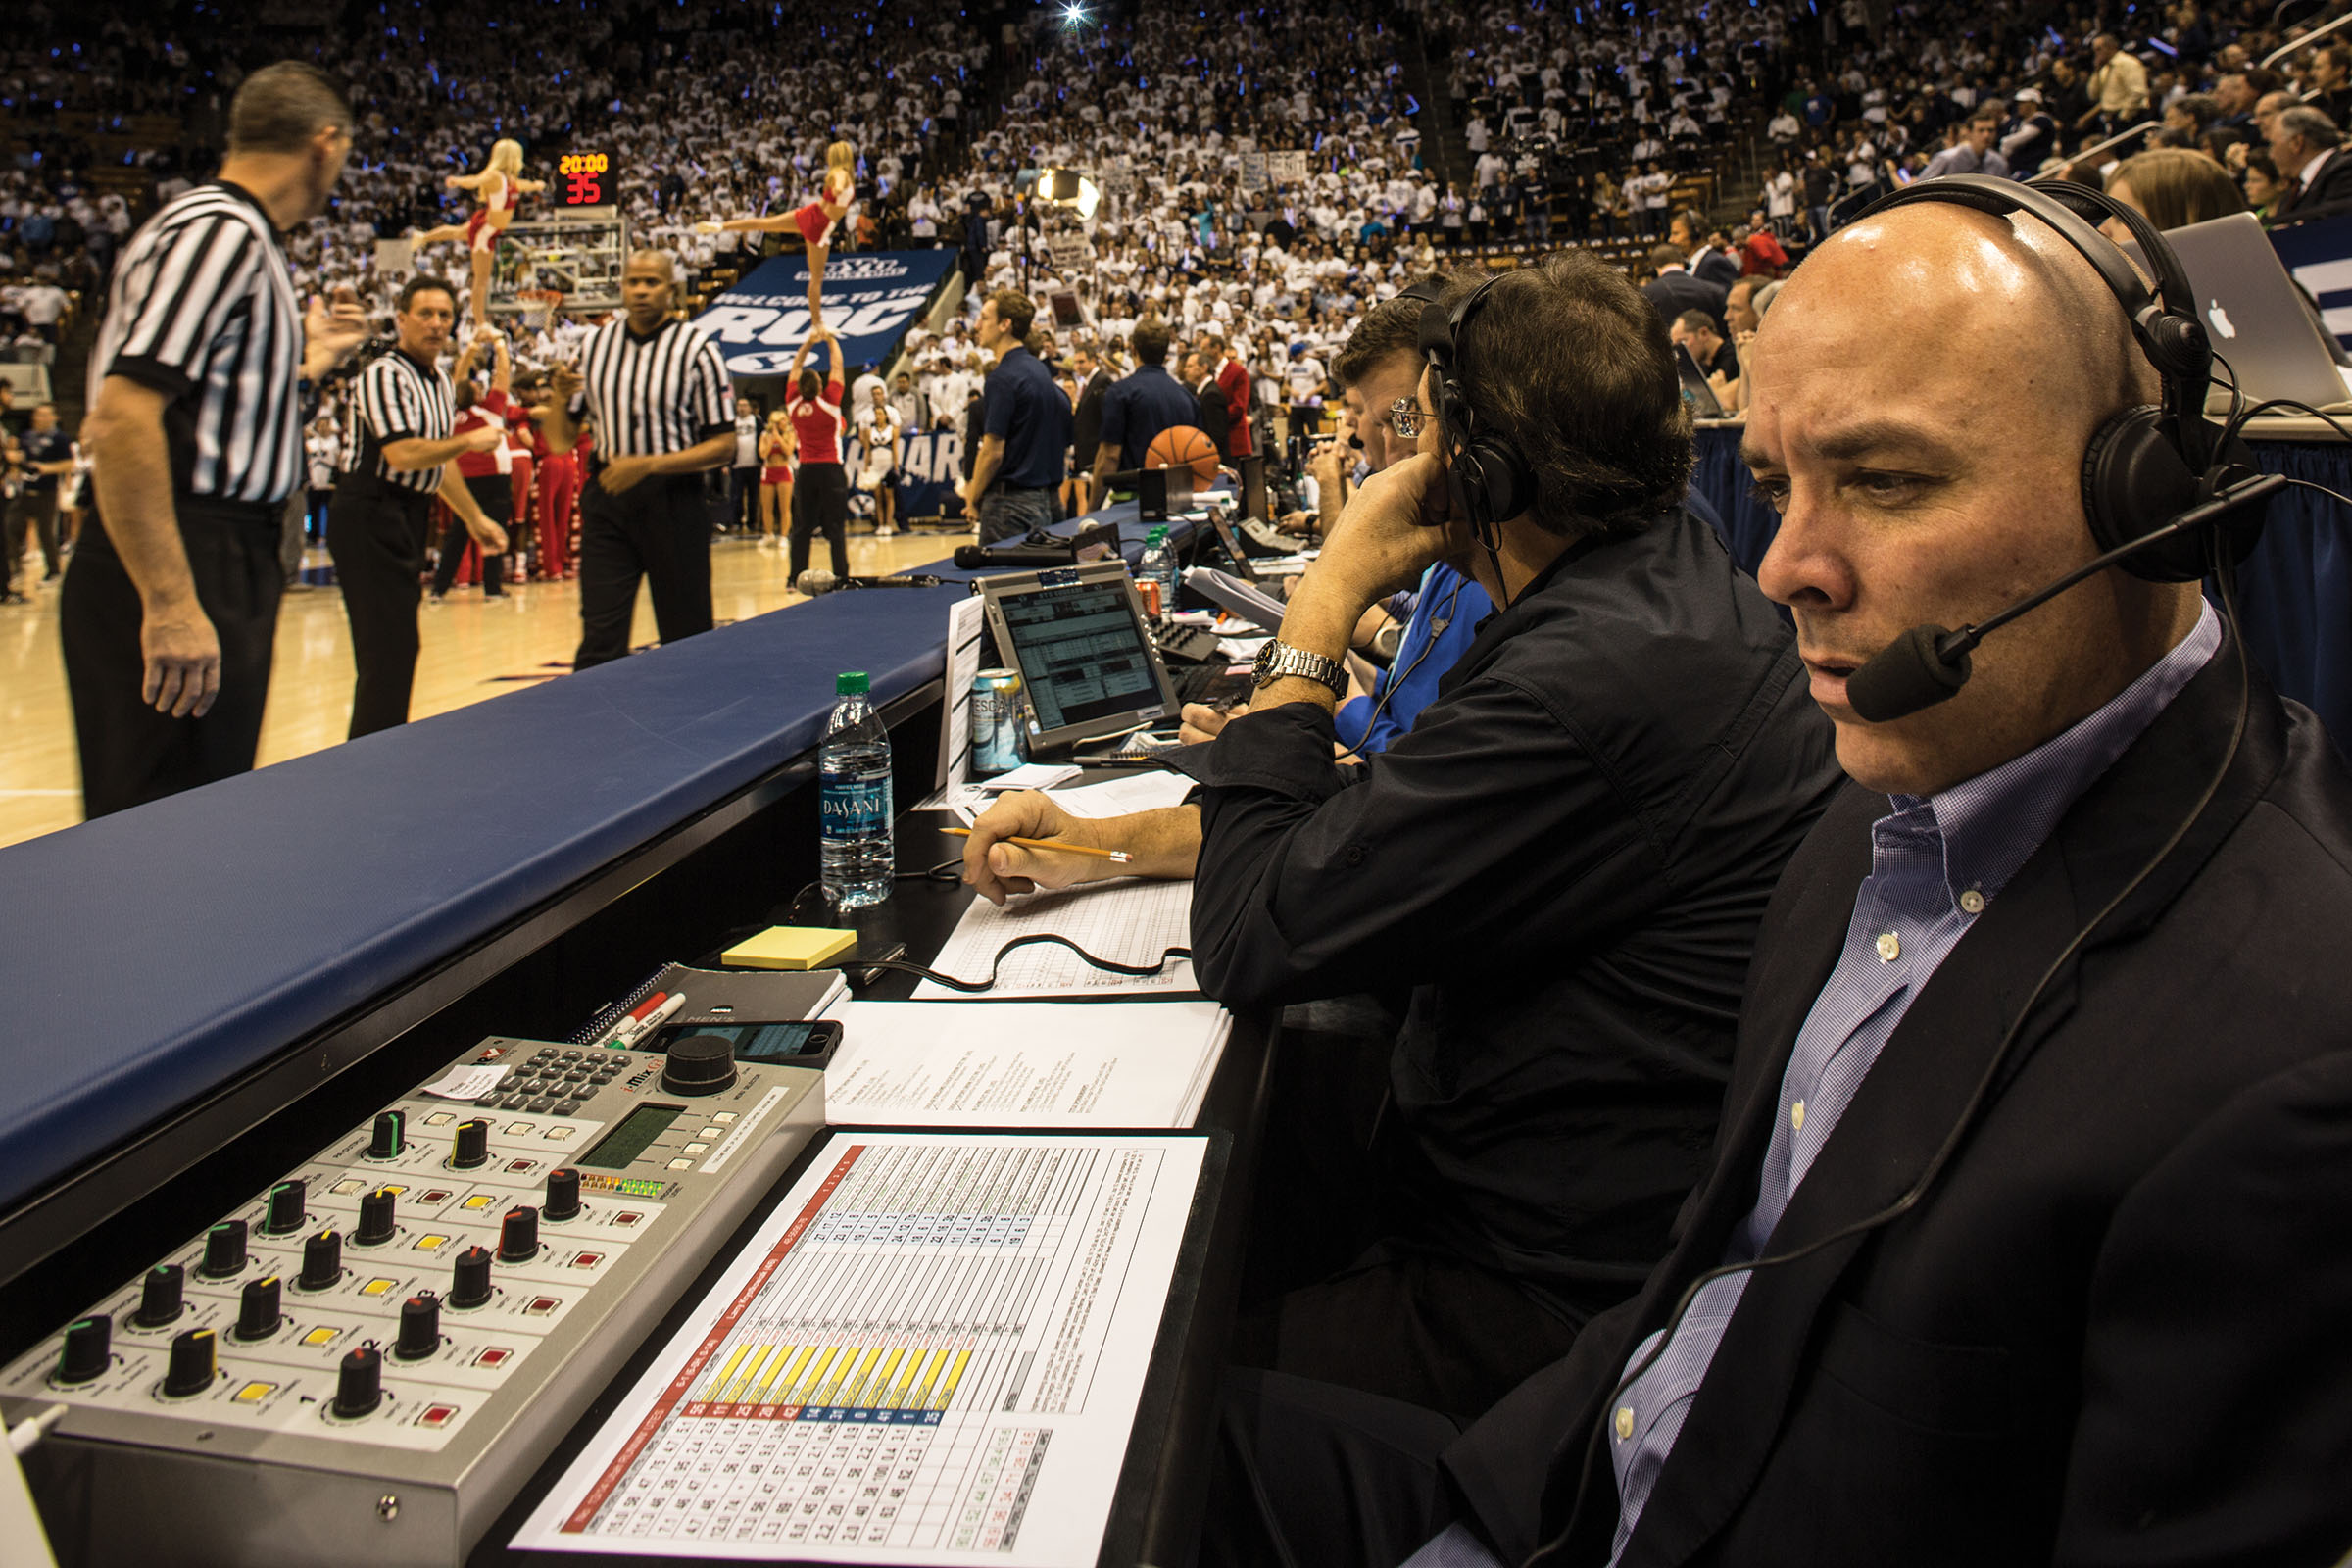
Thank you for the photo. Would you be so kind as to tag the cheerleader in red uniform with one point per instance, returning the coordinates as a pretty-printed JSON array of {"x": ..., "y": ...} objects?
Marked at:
[
  {"x": 776, "y": 449},
  {"x": 814, "y": 222},
  {"x": 501, "y": 187}
]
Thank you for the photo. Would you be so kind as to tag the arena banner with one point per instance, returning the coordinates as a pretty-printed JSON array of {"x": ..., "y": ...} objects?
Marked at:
[
  {"x": 2319, "y": 253},
  {"x": 930, "y": 462},
  {"x": 871, "y": 298}
]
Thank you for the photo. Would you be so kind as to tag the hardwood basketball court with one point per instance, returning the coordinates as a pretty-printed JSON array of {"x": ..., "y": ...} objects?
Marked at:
[{"x": 475, "y": 650}]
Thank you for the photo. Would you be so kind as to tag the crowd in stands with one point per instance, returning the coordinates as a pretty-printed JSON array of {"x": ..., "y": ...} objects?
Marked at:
[{"x": 1264, "y": 174}]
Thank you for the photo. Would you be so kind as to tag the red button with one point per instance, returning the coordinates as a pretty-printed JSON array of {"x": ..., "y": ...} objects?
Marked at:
[
  {"x": 541, "y": 1305},
  {"x": 436, "y": 1416},
  {"x": 439, "y": 1194},
  {"x": 493, "y": 1357},
  {"x": 588, "y": 1261},
  {"x": 628, "y": 1219},
  {"x": 522, "y": 1164}
]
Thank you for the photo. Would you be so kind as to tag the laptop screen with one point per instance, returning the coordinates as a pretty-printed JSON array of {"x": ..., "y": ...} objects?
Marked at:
[{"x": 1082, "y": 653}]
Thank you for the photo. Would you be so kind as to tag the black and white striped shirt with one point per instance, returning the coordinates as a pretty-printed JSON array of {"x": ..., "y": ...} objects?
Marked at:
[
  {"x": 656, "y": 394},
  {"x": 203, "y": 310},
  {"x": 396, "y": 399}
]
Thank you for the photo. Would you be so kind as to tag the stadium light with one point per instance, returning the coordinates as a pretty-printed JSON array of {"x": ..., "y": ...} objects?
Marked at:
[
  {"x": 1067, "y": 187},
  {"x": 1072, "y": 16}
]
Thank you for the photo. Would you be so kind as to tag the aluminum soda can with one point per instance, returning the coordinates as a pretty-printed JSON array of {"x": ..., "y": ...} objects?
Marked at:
[{"x": 998, "y": 743}]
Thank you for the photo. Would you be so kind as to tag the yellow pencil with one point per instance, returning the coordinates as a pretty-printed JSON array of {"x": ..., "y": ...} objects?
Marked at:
[{"x": 1121, "y": 855}]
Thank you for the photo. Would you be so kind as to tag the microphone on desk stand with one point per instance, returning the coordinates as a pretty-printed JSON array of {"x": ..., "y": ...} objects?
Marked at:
[{"x": 815, "y": 582}]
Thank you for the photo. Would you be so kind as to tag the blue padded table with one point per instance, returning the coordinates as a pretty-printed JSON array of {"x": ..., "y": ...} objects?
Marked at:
[
  {"x": 2295, "y": 590},
  {"x": 153, "y": 956}
]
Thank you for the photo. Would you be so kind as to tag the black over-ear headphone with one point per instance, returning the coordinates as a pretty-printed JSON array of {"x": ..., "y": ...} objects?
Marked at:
[
  {"x": 1486, "y": 478},
  {"x": 2147, "y": 465}
]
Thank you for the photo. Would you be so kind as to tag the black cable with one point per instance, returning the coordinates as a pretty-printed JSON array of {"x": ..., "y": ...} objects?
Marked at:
[
  {"x": 2225, "y": 580},
  {"x": 1438, "y": 624},
  {"x": 1034, "y": 937}
]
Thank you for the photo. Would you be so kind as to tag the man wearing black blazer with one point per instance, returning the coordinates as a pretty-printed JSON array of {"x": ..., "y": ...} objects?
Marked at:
[
  {"x": 1086, "y": 417},
  {"x": 1217, "y": 414},
  {"x": 2032, "y": 1192},
  {"x": 1675, "y": 290},
  {"x": 2308, "y": 148},
  {"x": 1701, "y": 257}
]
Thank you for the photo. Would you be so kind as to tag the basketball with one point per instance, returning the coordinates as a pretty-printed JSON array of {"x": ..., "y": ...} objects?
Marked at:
[{"x": 1183, "y": 443}]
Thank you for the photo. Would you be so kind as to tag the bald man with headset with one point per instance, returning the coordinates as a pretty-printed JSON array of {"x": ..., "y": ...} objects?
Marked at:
[{"x": 2025, "y": 1236}]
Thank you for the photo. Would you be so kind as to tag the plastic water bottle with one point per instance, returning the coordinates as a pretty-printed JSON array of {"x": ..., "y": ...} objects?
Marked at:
[
  {"x": 856, "y": 857},
  {"x": 1160, "y": 565}
]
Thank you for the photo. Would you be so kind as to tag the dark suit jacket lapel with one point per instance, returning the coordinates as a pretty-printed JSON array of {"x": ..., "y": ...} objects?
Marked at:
[
  {"x": 1921, "y": 1084},
  {"x": 1797, "y": 948}
]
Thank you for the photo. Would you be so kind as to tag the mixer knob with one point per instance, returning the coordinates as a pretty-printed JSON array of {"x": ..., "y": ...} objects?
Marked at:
[
  {"x": 360, "y": 1382},
  {"x": 224, "y": 1249},
  {"x": 562, "y": 1195},
  {"x": 193, "y": 1364},
  {"x": 89, "y": 1349},
  {"x": 471, "y": 1286},
  {"x": 375, "y": 1217},
  {"x": 391, "y": 1135},
  {"x": 419, "y": 1327},
  {"x": 518, "y": 1234},
  {"x": 473, "y": 1144},
  {"x": 698, "y": 1064},
  {"x": 258, "y": 1314},
  {"x": 158, "y": 1297},
  {"x": 285, "y": 1215},
  {"x": 322, "y": 1262}
]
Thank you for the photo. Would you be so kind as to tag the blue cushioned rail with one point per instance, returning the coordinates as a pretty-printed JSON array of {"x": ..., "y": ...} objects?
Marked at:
[{"x": 181, "y": 944}]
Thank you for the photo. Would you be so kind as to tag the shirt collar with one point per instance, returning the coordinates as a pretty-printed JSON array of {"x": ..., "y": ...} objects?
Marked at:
[
  {"x": 2311, "y": 171},
  {"x": 1991, "y": 824},
  {"x": 271, "y": 224}
]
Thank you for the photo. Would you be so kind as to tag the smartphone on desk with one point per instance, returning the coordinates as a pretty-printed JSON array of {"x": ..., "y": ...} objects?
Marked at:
[{"x": 808, "y": 1043}]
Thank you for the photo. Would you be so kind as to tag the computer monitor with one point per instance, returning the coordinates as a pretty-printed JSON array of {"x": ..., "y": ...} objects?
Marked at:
[
  {"x": 1229, "y": 538},
  {"x": 1087, "y": 664},
  {"x": 1162, "y": 494}
]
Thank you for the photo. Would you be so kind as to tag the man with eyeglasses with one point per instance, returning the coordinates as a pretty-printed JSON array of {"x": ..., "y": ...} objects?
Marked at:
[
  {"x": 1559, "y": 871},
  {"x": 1379, "y": 370}
]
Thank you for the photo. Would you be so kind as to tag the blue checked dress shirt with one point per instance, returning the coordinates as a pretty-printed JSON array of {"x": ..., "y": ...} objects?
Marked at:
[{"x": 1936, "y": 864}]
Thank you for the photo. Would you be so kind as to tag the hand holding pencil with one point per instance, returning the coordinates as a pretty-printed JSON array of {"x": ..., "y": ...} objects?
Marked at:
[{"x": 1025, "y": 842}]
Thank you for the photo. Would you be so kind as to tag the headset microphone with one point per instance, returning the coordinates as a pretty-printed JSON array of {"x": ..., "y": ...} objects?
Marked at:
[{"x": 1926, "y": 665}]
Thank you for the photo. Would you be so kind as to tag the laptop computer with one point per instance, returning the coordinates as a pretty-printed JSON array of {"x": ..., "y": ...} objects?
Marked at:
[
  {"x": 1077, "y": 636},
  {"x": 2254, "y": 313},
  {"x": 1701, "y": 397}
]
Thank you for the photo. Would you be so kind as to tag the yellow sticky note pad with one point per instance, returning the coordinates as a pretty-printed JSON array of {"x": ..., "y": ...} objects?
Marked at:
[{"x": 790, "y": 946}]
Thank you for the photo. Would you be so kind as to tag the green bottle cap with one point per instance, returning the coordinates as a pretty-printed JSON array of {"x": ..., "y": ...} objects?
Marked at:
[
  {"x": 851, "y": 680},
  {"x": 1158, "y": 533}
]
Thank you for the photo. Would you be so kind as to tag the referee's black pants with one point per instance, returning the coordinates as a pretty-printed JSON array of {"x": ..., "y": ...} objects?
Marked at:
[
  {"x": 493, "y": 493},
  {"x": 130, "y": 753},
  {"x": 820, "y": 503},
  {"x": 658, "y": 530},
  {"x": 376, "y": 533}
]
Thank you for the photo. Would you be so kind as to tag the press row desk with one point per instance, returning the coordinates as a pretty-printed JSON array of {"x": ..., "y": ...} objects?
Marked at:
[{"x": 195, "y": 989}]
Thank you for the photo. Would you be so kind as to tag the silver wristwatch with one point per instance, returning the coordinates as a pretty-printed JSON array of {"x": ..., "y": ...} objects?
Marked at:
[{"x": 1278, "y": 658}]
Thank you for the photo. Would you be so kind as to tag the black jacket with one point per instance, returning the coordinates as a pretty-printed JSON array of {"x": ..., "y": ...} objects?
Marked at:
[
  {"x": 1217, "y": 414},
  {"x": 1566, "y": 858},
  {"x": 2114, "y": 1331},
  {"x": 1086, "y": 422},
  {"x": 2331, "y": 187},
  {"x": 1673, "y": 293}
]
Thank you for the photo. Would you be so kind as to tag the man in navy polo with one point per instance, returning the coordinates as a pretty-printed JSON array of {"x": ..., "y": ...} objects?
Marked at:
[
  {"x": 1145, "y": 401},
  {"x": 1024, "y": 433}
]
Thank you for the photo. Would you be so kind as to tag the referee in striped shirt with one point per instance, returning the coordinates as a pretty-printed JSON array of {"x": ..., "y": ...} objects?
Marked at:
[
  {"x": 402, "y": 455},
  {"x": 658, "y": 392},
  {"x": 201, "y": 371}
]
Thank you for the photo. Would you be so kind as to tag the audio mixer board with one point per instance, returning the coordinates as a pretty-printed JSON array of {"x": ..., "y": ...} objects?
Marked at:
[{"x": 364, "y": 1363}]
